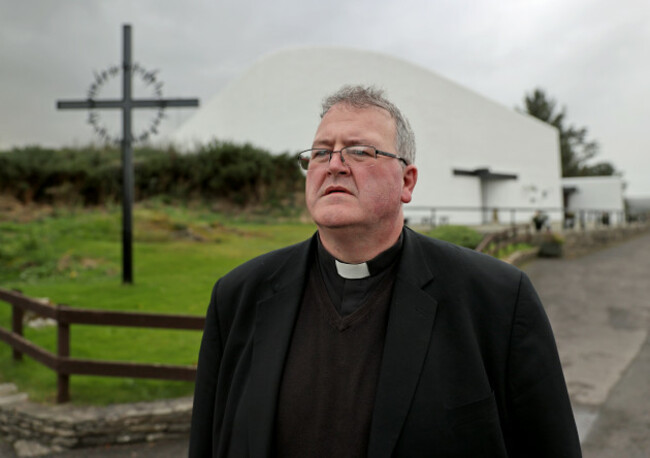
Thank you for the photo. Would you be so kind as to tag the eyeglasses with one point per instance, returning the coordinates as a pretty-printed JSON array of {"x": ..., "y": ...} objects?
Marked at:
[{"x": 352, "y": 156}]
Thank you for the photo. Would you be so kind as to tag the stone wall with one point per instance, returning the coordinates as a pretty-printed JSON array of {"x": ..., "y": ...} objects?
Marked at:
[
  {"x": 577, "y": 243},
  {"x": 36, "y": 430}
]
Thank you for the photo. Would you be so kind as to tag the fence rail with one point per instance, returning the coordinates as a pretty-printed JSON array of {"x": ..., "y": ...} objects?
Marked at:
[
  {"x": 65, "y": 366},
  {"x": 571, "y": 218},
  {"x": 492, "y": 243}
]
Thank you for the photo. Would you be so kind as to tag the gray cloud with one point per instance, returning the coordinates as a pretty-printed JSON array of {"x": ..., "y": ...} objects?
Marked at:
[{"x": 591, "y": 55}]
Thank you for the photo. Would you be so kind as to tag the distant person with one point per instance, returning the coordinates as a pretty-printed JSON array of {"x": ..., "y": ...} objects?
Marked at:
[
  {"x": 370, "y": 339},
  {"x": 569, "y": 220},
  {"x": 540, "y": 220},
  {"x": 604, "y": 218}
]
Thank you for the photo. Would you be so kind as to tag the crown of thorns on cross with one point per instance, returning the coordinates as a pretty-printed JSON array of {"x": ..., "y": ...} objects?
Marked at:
[{"x": 101, "y": 78}]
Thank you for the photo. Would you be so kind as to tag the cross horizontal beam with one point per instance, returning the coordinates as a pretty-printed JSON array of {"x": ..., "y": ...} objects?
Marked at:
[{"x": 119, "y": 103}]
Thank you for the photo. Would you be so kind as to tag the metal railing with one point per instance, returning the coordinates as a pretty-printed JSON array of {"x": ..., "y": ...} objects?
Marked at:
[
  {"x": 570, "y": 218},
  {"x": 65, "y": 366}
]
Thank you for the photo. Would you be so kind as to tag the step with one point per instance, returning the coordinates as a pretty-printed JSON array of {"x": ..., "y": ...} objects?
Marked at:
[
  {"x": 7, "y": 389},
  {"x": 13, "y": 399}
]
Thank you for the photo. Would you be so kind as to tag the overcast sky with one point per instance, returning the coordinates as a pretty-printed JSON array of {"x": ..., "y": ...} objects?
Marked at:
[{"x": 593, "y": 57}]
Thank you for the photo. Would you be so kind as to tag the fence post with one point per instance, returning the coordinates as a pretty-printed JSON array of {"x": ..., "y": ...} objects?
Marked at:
[
  {"x": 497, "y": 245},
  {"x": 63, "y": 351},
  {"x": 17, "y": 328}
]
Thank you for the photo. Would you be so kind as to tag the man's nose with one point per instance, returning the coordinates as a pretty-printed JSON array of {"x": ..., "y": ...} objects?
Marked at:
[{"x": 337, "y": 163}]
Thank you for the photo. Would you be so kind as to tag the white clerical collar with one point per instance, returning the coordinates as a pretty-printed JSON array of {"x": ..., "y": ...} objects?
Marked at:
[{"x": 352, "y": 271}]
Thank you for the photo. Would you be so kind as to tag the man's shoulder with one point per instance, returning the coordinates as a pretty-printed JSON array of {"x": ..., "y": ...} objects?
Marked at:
[
  {"x": 452, "y": 251},
  {"x": 478, "y": 285},
  {"x": 460, "y": 260},
  {"x": 264, "y": 265}
]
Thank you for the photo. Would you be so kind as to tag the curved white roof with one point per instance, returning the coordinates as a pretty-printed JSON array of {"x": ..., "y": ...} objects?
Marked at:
[{"x": 275, "y": 104}]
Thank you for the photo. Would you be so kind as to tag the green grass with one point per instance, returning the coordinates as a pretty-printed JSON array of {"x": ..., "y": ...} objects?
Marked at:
[{"x": 74, "y": 258}]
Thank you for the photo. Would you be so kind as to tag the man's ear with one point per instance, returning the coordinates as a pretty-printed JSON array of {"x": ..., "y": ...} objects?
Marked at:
[{"x": 410, "y": 177}]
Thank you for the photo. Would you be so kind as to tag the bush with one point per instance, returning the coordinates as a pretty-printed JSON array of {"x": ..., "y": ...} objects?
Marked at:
[
  {"x": 240, "y": 174},
  {"x": 460, "y": 235}
]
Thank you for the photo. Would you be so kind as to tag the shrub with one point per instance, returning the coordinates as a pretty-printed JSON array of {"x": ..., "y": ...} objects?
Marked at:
[
  {"x": 241, "y": 174},
  {"x": 460, "y": 235}
]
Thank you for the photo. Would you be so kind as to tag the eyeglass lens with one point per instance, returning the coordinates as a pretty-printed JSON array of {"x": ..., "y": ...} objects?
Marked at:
[{"x": 349, "y": 154}]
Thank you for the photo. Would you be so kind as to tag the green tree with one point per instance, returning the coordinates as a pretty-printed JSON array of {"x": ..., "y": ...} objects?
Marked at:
[{"x": 575, "y": 149}]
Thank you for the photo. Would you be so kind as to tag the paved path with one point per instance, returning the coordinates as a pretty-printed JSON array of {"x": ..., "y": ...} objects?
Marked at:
[
  {"x": 599, "y": 306},
  {"x": 622, "y": 428}
]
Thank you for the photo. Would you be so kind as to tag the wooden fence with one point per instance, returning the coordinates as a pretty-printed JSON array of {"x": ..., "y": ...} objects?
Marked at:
[
  {"x": 492, "y": 243},
  {"x": 64, "y": 365}
]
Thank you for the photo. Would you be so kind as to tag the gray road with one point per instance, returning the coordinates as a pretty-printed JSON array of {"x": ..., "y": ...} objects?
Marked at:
[
  {"x": 599, "y": 306},
  {"x": 622, "y": 428}
]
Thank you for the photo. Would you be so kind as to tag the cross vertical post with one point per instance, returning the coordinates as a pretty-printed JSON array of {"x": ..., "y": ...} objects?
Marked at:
[
  {"x": 127, "y": 161},
  {"x": 126, "y": 104}
]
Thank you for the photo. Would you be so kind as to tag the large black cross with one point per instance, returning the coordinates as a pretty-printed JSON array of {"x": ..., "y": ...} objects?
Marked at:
[{"x": 126, "y": 104}]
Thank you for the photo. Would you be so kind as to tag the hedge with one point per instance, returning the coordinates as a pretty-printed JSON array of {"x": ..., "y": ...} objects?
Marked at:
[{"x": 92, "y": 175}]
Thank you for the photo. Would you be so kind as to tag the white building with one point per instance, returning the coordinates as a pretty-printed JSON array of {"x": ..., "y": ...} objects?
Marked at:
[
  {"x": 597, "y": 196},
  {"x": 471, "y": 151}
]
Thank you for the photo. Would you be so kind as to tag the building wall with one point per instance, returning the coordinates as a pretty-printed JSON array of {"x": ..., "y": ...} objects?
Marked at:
[
  {"x": 638, "y": 206},
  {"x": 275, "y": 105},
  {"x": 596, "y": 193}
]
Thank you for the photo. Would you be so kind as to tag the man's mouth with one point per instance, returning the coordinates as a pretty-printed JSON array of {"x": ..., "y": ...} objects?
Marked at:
[{"x": 336, "y": 190}]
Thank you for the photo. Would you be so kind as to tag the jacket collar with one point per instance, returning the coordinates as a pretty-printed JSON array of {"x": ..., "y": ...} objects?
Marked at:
[
  {"x": 410, "y": 325},
  {"x": 274, "y": 321}
]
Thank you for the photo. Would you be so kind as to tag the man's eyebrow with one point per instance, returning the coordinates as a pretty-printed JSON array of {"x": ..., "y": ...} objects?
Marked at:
[
  {"x": 327, "y": 144},
  {"x": 324, "y": 143}
]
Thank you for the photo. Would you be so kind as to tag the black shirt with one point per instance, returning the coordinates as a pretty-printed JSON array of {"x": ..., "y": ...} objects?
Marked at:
[{"x": 348, "y": 294}]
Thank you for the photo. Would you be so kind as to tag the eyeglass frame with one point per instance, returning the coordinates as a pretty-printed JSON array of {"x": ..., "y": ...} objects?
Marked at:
[{"x": 340, "y": 151}]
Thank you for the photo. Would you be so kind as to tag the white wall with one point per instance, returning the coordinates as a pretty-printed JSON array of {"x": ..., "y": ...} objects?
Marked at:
[
  {"x": 596, "y": 193},
  {"x": 276, "y": 104}
]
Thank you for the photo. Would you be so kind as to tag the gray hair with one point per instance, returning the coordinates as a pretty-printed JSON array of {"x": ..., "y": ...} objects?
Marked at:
[{"x": 364, "y": 97}]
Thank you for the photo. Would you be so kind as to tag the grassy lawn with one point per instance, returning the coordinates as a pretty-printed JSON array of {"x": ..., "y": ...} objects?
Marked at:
[{"x": 74, "y": 258}]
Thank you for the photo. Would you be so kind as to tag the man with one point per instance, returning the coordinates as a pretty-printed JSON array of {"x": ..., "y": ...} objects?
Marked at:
[{"x": 370, "y": 339}]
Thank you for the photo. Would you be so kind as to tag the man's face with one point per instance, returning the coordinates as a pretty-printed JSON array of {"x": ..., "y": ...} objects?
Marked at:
[{"x": 368, "y": 198}]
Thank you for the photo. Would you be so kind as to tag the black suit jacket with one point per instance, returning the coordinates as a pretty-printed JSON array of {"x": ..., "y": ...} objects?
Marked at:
[{"x": 470, "y": 367}]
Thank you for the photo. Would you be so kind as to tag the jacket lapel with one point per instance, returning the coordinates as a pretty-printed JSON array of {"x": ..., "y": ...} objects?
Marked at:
[
  {"x": 275, "y": 318},
  {"x": 408, "y": 334}
]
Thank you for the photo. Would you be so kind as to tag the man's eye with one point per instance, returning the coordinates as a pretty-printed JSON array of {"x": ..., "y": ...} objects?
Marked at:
[
  {"x": 358, "y": 153},
  {"x": 320, "y": 154}
]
